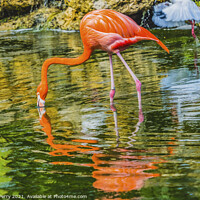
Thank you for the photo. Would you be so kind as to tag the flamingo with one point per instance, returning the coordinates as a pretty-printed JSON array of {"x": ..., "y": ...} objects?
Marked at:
[
  {"x": 175, "y": 14},
  {"x": 109, "y": 31}
]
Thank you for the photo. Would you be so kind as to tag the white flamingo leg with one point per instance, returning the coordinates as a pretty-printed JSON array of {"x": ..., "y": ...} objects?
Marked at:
[
  {"x": 137, "y": 82},
  {"x": 112, "y": 91}
]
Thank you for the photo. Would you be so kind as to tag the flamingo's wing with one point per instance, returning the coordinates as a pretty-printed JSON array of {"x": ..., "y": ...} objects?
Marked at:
[{"x": 109, "y": 21}]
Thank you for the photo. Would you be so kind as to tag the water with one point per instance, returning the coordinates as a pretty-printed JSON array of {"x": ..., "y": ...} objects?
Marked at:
[{"x": 80, "y": 148}]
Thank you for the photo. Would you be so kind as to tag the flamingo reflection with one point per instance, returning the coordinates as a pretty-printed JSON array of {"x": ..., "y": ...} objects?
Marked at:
[
  {"x": 63, "y": 149},
  {"x": 119, "y": 170},
  {"x": 126, "y": 171},
  {"x": 122, "y": 175},
  {"x": 137, "y": 126}
]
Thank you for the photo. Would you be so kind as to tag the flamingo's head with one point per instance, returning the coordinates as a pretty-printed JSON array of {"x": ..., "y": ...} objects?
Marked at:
[{"x": 41, "y": 94}]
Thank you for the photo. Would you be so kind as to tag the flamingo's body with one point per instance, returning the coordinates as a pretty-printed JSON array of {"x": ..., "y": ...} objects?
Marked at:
[{"x": 107, "y": 30}]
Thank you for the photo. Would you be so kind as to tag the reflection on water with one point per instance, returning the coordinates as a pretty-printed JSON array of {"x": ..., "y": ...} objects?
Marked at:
[
  {"x": 87, "y": 147},
  {"x": 183, "y": 87},
  {"x": 115, "y": 171},
  {"x": 63, "y": 149}
]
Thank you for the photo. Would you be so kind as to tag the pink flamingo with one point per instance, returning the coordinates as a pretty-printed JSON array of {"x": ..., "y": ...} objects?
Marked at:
[{"x": 110, "y": 31}]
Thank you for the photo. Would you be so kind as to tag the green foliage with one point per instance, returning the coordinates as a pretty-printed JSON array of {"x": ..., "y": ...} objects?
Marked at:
[{"x": 197, "y": 2}]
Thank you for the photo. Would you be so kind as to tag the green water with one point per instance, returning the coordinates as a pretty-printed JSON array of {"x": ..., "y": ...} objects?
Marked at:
[{"x": 81, "y": 148}]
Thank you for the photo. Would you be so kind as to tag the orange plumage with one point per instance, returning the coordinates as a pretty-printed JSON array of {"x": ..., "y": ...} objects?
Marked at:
[{"x": 113, "y": 26}]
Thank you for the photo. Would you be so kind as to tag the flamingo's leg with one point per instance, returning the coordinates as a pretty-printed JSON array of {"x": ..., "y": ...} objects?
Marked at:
[
  {"x": 137, "y": 82},
  {"x": 193, "y": 23},
  {"x": 112, "y": 91}
]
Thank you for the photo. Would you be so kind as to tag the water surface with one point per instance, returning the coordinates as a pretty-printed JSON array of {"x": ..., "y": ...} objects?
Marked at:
[{"x": 81, "y": 148}]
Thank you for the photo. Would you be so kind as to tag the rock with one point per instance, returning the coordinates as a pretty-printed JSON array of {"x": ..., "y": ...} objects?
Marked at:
[
  {"x": 132, "y": 8},
  {"x": 39, "y": 19},
  {"x": 65, "y": 16},
  {"x": 18, "y": 7},
  {"x": 78, "y": 8}
]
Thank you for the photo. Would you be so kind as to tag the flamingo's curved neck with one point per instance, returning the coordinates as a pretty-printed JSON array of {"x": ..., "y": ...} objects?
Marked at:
[{"x": 65, "y": 61}]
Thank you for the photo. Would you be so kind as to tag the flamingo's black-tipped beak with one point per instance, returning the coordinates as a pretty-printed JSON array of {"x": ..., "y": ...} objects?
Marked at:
[{"x": 40, "y": 102}]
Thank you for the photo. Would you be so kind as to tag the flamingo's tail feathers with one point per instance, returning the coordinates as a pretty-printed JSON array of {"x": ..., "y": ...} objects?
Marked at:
[
  {"x": 163, "y": 46},
  {"x": 145, "y": 33},
  {"x": 129, "y": 41}
]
